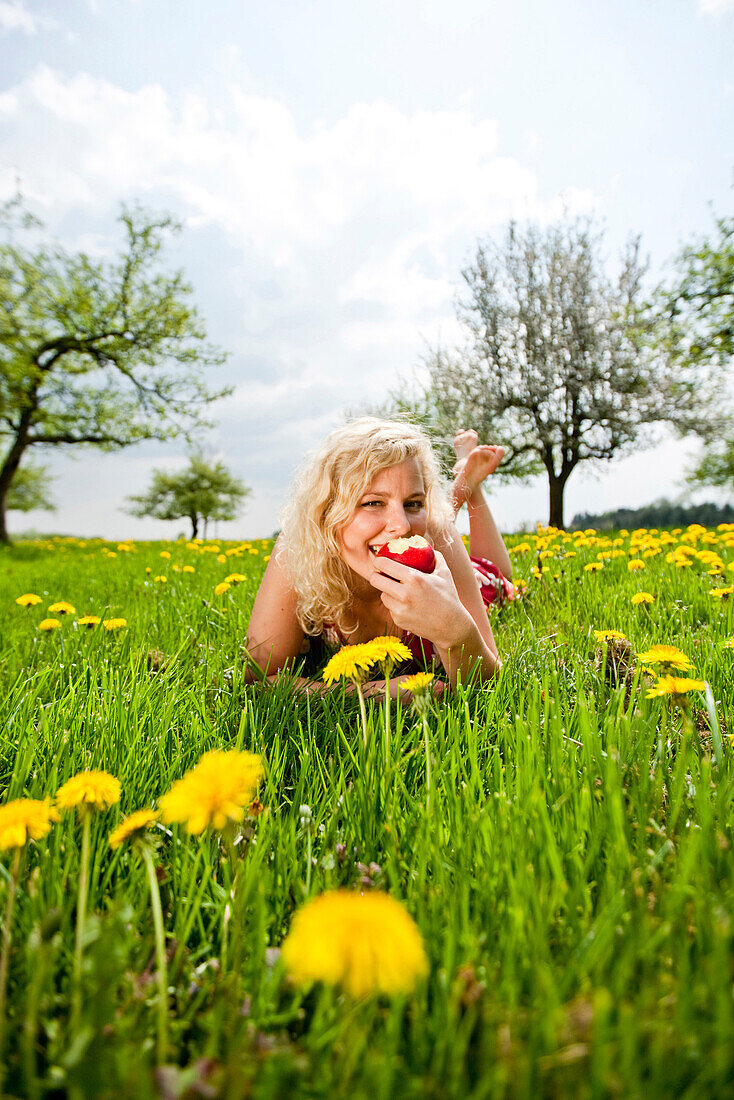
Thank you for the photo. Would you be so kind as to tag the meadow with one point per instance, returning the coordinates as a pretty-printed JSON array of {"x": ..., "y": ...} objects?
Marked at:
[{"x": 568, "y": 868}]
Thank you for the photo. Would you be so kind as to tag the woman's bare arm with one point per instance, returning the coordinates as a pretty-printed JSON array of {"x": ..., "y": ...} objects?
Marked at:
[
  {"x": 462, "y": 570},
  {"x": 274, "y": 635}
]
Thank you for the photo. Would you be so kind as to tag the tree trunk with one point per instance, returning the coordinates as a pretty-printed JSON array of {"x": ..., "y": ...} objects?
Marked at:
[
  {"x": 194, "y": 525},
  {"x": 4, "y": 537},
  {"x": 556, "y": 486},
  {"x": 10, "y": 468}
]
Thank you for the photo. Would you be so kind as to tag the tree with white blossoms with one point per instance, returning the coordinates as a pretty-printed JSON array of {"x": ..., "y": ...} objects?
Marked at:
[
  {"x": 94, "y": 352},
  {"x": 554, "y": 365}
]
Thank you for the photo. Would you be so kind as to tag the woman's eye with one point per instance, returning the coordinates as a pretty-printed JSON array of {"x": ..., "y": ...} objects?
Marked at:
[
  {"x": 369, "y": 503},
  {"x": 416, "y": 505}
]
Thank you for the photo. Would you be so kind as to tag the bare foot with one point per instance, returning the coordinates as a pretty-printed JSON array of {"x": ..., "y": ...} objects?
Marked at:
[
  {"x": 464, "y": 443},
  {"x": 475, "y": 464}
]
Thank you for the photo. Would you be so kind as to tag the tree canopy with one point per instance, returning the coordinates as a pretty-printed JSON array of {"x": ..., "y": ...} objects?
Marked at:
[
  {"x": 30, "y": 490},
  {"x": 696, "y": 330},
  {"x": 203, "y": 491},
  {"x": 553, "y": 365},
  {"x": 98, "y": 352},
  {"x": 698, "y": 305}
]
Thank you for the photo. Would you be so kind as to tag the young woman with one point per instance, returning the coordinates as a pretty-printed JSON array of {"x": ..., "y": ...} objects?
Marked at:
[{"x": 370, "y": 482}]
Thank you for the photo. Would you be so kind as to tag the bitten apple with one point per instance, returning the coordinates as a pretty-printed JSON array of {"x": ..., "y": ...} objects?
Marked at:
[{"x": 415, "y": 552}]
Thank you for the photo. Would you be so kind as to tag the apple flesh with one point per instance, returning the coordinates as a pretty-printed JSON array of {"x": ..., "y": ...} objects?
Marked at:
[{"x": 415, "y": 552}]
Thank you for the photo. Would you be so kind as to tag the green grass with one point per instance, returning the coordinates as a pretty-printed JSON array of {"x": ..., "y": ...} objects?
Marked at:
[{"x": 572, "y": 877}]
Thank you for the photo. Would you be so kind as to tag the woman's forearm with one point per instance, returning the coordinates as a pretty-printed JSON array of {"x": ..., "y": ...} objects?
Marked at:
[{"x": 466, "y": 654}]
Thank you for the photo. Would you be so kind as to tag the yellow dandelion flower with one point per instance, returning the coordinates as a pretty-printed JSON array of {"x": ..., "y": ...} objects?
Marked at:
[
  {"x": 148, "y": 570},
  {"x": 674, "y": 685},
  {"x": 221, "y": 588},
  {"x": 666, "y": 655},
  {"x": 88, "y": 620},
  {"x": 352, "y": 662},
  {"x": 49, "y": 624},
  {"x": 28, "y": 599},
  {"x": 215, "y": 792},
  {"x": 61, "y": 608},
  {"x": 635, "y": 565},
  {"x": 593, "y": 566},
  {"x": 114, "y": 624},
  {"x": 189, "y": 569},
  {"x": 133, "y": 827},
  {"x": 721, "y": 593},
  {"x": 89, "y": 790},
  {"x": 388, "y": 651},
  {"x": 161, "y": 579},
  {"x": 366, "y": 943},
  {"x": 166, "y": 554},
  {"x": 25, "y": 819},
  {"x": 221, "y": 558},
  {"x": 607, "y": 635},
  {"x": 642, "y": 597},
  {"x": 235, "y": 578},
  {"x": 418, "y": 683}
]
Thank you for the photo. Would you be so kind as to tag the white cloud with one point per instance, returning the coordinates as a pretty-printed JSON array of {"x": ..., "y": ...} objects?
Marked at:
[
  {"x": 14, "y": 17},
  {"x": 715, "y": 7}
]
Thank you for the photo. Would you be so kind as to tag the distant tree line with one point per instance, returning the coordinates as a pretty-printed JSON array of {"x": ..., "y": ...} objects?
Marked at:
[{"x": 661, "y": 513}]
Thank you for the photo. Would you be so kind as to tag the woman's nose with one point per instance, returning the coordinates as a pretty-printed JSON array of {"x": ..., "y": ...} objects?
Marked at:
[{"x": 398, "y": 521}]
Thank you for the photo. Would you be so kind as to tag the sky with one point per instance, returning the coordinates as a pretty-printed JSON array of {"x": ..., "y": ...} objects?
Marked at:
[{"x": 334, "y": 166}]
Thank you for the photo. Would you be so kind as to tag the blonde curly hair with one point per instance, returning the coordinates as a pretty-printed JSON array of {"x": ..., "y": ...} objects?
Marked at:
[{"x": 325, "y": 492}]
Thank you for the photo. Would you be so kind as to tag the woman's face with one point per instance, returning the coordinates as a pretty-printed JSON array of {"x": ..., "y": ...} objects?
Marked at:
[{"x": 394, "y": 505}]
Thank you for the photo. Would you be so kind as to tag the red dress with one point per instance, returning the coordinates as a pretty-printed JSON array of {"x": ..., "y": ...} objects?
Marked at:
[{"x": 494, "y": 587}]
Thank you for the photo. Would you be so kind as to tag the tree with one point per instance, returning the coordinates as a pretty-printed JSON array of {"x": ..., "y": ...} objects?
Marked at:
[
  {"x": 696, "y": 331},
  {"x": 29, "y": 491},
  {"x": 697, "y": 310},
  {"x": 554, "y": 366},
  {"x": 105, "y": 353},
  {"x": 204, "y": 490},
  {"x": 716, "y": 467}
]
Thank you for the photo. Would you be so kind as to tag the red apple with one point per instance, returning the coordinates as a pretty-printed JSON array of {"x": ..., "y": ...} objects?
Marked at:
[{"x": 415, "y": 552}]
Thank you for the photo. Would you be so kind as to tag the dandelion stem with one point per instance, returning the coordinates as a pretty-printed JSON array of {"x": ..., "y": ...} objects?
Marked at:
[
  {"x": 424, "y": 719},
  {"x": 81, "y": 914},
  {"x": 235, "y": 902},
  {"x": 160, "y": 950},
  {"x": 308, "y": 862},
  {"x": 5, "y": 954},
  {"x": 387, "y": 718},
  {"x": 362, "y": 710}
]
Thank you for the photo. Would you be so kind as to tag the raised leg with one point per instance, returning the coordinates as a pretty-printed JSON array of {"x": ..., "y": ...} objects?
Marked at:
[{"x": 475, "y": 463}]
